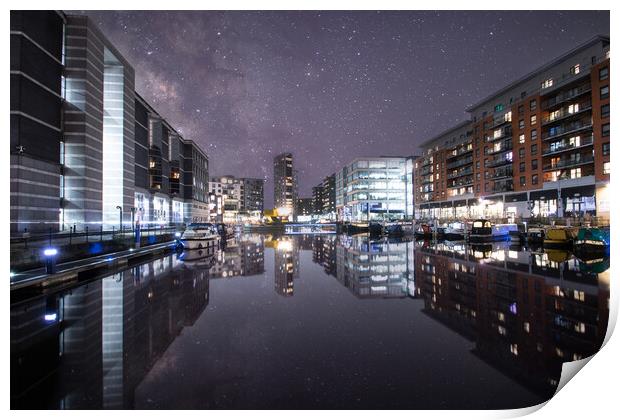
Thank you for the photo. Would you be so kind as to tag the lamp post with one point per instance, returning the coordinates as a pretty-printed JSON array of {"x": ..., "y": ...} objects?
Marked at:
[
  {"x": 120, "y": 218},
  {"x": 133, "y": 218}
]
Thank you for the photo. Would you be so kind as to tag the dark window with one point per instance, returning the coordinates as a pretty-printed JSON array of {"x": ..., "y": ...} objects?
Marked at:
[
  {"x": 534, "y": 164},
  {"x": 522, "y": 181},
  {"x": 606, "y": 130},
  {"x": 605, "y": 149},
  {"x": 533, "y": 105},
  {"x": 520, "y": 109},
  {"x": 521, "y": 124},
  {"x": 521, "y": 153},
  {"x": 521, "y": 166},
  {"x": 604, "y": 92},
  {"x": 533, "y": 134},
  {"x": 535, "y": 179},
  {"x": 605, "y": 111},
  {"x": 603, "y": 74},
  {"x": 534, "y": 149},
  {"x": 523, "y": 94}
]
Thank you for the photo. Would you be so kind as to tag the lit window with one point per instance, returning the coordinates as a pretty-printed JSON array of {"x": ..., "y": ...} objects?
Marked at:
[
  {"x": 546, "y": 84},
  {"x": 514, "y": 349},
  {"x": 521, "y": 138},
  {"x": 575, "y": 69},
  {"x": 606, "y": 168},
  {"x": 533, "y": 120},
  {"x": 573, "y": 108}
]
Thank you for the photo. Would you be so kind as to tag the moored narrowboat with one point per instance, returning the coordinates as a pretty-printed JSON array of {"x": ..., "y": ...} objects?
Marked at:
[
  {"x": 483, "y": 230},
  {"x": 559, "y": 237},
  {"x": 592, "y": 241}
]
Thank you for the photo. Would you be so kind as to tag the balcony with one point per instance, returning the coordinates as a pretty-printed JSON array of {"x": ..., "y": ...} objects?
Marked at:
[
  {"x": 501, "y": 173},
  {"x": 460, "y": 162},
  {"x": 501, "y": 120},
  {"x": 503, "y": 186},
  {"x": 466, "y": 171},
  {"x": 462, "y": 183},
  {"x": 506, "y": 146},
  {"x": 426, "y": 171},
  {"x": 565, "y": 146},
  {"x": 570, "y": 128},
  {"x": 567, "y": 96},
  {"x": 506, "y": 132},
  {"x": 498, "y": 162},
  {"x": 568, "y": 163},
  {"x": 460, "y": 151},
  {"x": 565, "y": 113}
]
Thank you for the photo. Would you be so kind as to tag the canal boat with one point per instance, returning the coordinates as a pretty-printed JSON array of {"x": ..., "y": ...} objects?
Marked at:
[
  {"x": 375, "y": 229},
  {"x": 535, "y": 235},
  {"x": 483, "y": 230},
  {"x": 455, "y": 231},
  {"x": 393, "y": 230},
  {"x": 200, "y": 236},
  {"x": 423, "y": 230},
  {"x": 592, "y": 241},
  {"x": 559, "y": 237}
]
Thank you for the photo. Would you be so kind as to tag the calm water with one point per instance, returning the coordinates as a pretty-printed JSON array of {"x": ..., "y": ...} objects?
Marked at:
[{"x": 314, "y": 322}]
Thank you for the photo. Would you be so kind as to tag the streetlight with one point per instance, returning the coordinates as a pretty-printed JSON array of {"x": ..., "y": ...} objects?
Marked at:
[
  {"x": 120, "y": 217},
  {"x": 50, "y": 260}
]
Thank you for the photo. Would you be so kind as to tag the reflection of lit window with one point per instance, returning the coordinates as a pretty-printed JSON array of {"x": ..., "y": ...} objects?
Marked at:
[
  {"x": 514, "y": 349},
  {"x": 526, "y": 326}
]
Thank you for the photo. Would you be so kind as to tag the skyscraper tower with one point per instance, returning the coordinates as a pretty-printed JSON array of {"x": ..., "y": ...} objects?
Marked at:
[{"x": 285, "y": 184}]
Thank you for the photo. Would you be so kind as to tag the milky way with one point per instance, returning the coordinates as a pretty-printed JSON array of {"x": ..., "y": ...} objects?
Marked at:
[{"x": 329, "y": 86}]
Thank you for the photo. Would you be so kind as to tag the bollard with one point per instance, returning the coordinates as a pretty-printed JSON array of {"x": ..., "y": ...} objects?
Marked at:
[{"x": 50, "y": 260}]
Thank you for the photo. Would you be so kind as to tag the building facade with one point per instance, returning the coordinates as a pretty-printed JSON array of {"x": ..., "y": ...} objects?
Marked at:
[
  {"x": 285, "y": 184},
  {"x": 86, "y": 150},
  {"x": 36, "y": 60},
  {"x": 375, "y": 189},
  {"x": 538, "y": 147},
  {"x": 236, "y": 200},
  {"x": 304, "y": 208},
  {"x": 324, "y": 198}
]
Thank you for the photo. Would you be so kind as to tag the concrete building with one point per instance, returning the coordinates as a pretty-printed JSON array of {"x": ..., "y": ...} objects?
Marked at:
[
  {"x": 36, "y": 60},
  {"x": 285, "y": 184},
  {"x": 324, "y": 198},
  {"x": 86, "y": 150},
  {"x": 375, "y": 189},
  {"x": 236, "y": 200},
  {"x": 538, "y": 147},
  {"x": 304, "y": 209}
]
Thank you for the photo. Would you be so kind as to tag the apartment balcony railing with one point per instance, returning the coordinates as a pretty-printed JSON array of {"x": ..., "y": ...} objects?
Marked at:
[
  {"x": 503, "y": 186},
  {"x": 502, "y": 173},
  {"x": 569, "y": 128},
  {"x": 426, "y": 171},
  {"x": 565, "y": 113},
  {"x": 460, "y": 162},
  {"x": 553, "y": 149},
  {"x": 567, "y": 96},
  {"x": 500, "y": 120},
  {"x": 467, "y": 171},
  {"x": 498, "y": 162},
  {"x": 461, "y": 183},
  {"x": 460, "y": 152},
  {"x": 503, "y": 148},
  {"x": 567, "y": 163},
  {"x": 506, "y": 133}
]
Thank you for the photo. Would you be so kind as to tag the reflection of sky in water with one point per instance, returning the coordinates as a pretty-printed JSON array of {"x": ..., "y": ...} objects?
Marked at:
[{"x": 322, "y": 322}]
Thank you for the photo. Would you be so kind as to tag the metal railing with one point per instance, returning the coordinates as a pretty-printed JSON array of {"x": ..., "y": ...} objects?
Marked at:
[
  {"x": 586, "y": 141},
  {"x": 565, "y": 113},
  {"x": 55, "y": 239},
  {"x": 565, "y": 129},
  {"x": 565, "y": 163}
]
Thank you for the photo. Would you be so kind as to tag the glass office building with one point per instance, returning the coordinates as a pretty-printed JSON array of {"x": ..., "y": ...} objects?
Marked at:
[{"x": 375, "y": 189}]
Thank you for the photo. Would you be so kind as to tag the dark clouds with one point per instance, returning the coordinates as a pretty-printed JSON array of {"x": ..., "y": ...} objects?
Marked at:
[{"x": 328, "y": 86}]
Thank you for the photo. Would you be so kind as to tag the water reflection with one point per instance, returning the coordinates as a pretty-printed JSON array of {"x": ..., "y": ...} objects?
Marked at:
[
  {"x": 91, "y": 346},
  {"x": 522, "y": 312}
]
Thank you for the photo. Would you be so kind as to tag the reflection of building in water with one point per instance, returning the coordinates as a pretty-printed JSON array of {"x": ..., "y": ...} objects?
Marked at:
[
  {"x": 324, "y": 253},
  {"x": 286, "y": 265},
  {"x": 526, "y": 312},
  {"x": 372, "y": 269},
  {"x": 90, "y": 347},
  {"x": 245, "y": 258}
]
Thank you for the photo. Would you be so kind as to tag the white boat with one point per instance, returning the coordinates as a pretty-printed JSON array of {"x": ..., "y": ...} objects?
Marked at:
[
  {"x": 484, "y": 231},
  {"x": 200, "y": 236},
  {"x": 455, "y": 230}
]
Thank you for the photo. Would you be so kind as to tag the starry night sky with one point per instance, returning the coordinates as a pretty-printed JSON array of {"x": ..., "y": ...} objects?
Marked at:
[{"x": 329, "y": 86}]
